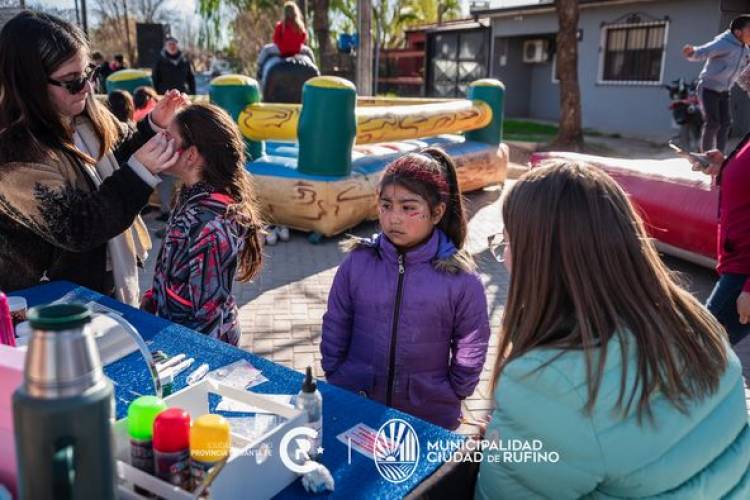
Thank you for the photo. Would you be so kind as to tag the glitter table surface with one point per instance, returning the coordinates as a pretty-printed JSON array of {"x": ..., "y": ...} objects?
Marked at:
[{"x": 341, "y": 409}]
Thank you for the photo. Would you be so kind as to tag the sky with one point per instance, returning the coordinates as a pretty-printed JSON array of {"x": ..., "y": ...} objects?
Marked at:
[{"x": 184, "y": 6}]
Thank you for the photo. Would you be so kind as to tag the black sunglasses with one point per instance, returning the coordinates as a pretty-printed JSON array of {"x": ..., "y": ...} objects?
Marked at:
[{"x": 75, "y": 85}]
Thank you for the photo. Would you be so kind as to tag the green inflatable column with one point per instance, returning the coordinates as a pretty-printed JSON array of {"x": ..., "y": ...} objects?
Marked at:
[
  {"x": 128, "y": 79},
  {"x": 234, "y": 93},
  {"x": 491, "y": 92},
  {"x": 327, "y": 126}
]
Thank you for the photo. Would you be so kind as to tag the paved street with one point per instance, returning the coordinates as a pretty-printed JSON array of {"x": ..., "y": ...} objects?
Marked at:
[{"x": 281, "y": 312}]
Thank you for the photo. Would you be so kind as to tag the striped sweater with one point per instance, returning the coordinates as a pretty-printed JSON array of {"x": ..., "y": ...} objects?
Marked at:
[{"x": 197, "y": 263}]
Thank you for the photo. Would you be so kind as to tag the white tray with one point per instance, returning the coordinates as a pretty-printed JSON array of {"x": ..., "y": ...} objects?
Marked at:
[{"x": 248, "y": 472}]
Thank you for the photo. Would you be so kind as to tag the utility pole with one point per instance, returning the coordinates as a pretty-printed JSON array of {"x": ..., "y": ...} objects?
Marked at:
[
  {"x": 84, "y": 18},
  {"x": 364, "y": 52},
  {"x": 378, "y": 48},
  {"x": 127, "y": 34}
]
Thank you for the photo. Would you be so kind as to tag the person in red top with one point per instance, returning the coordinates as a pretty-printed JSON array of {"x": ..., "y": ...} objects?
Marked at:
[
  {"x": 730, "y": 299},
  {"x": 290, "y": 34}
]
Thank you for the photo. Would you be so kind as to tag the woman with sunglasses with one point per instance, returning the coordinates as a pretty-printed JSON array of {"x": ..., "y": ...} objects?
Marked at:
[{"x": 72, "y": 178}]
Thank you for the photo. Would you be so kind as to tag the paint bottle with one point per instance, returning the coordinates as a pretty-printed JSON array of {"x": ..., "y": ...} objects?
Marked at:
[
  {"x": 310, "y": 402},
  {"x": 141, "y": 415},
  {"x": 171, "y": 443},
  {"x": 166, "y": 379},
  {"x": 7, "y": 332},
  {"x": 210, "y": 442}
]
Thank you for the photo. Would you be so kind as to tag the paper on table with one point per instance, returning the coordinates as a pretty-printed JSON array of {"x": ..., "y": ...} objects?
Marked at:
[
  {"x": 362, "y": 439},
  {"x": 252, "y": 427},
  {"x": 240, "y": 375},
  {"x": 227, "y": 404}
]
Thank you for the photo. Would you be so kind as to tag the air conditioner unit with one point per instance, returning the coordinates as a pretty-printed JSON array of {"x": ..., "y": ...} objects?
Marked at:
[{"x": 535, "y": 51}]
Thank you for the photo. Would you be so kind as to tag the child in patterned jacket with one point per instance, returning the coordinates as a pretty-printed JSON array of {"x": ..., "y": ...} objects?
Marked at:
[{"x": 213, "y": 231}]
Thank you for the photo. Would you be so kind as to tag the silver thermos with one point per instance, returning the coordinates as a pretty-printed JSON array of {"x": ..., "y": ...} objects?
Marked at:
[{"x": 64, "y": 410}]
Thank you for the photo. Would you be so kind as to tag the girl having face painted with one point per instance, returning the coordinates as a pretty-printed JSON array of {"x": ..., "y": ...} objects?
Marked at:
[{"x": 407, "y": 316}]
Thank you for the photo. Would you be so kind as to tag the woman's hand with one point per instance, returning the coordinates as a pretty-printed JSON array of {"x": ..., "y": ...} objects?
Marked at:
[
  {"x": 480, "y": 424},
  {"x": 743, "y": 307},
  {"x": 167, "y": 106},
  {"x": 158, "y": 154},
  {"x": 715, "y": 160}
]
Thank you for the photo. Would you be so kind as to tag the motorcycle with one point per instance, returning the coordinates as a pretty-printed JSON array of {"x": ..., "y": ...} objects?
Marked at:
[{"x": 686, "y": 113}]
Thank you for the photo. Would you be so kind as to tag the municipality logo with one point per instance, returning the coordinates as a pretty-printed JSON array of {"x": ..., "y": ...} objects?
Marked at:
[{"x": 396, "y": 451}]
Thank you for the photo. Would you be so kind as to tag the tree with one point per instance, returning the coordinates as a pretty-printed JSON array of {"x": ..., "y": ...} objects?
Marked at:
[
  {"x": 448, "y": 9},
  {"x": 116, "y": 29},
  {"x": 322, "y": 28},
  {"x": 392, "y": 17},
  {"x": 251, "y": 30},
  {"x": 146, "y": 11},
  {"x": 216, "y": 10},
  {"x": 109, "y": 37},
  {"x": 570, "y": 134}
]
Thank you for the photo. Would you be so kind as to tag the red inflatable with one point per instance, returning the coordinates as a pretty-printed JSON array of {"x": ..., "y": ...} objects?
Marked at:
[{"x": 678, "y": 205}]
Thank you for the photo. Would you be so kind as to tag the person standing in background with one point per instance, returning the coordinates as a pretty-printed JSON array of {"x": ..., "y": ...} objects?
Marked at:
[
  {"x": 102, "y": 72},
  {"x": 173, "y": 70},
  {"x": 118, "y": 63},
  {"x": 726, "y": 56}
]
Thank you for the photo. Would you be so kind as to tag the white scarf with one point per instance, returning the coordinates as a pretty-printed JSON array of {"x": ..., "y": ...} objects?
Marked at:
[{"x": 125, "y": 249}]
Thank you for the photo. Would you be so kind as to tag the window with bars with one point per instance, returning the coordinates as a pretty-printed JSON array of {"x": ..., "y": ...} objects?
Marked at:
[{"x": 634, "y": 53}]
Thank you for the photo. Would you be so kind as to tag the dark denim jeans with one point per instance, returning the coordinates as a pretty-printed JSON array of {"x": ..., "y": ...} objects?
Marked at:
[
  {"x": 723, "y": 305},
  {"x": 717, "y": 120}
]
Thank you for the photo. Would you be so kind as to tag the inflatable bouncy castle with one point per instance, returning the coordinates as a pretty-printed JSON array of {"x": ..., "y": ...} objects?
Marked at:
[
  {"x": 679, "y": 206},
  {"x": 128, "y": 79},
  {"x": 285, "y": 78},
  {"x": 316, "y": 165}
]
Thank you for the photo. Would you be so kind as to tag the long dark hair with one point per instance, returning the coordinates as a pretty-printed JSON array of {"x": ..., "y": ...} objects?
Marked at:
[
  {"x": 584, "y": 272},
  {"x": 143, "y": 95},
  {"x": 32, "y": 46},
  {"x": 120, "y": 103},
  {"x": 216, "y": 136},
  {"x": 293, "y": 16},
  {"x": 424, "y": 173}
]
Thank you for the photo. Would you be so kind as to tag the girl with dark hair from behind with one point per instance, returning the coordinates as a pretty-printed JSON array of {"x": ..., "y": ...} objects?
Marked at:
[
  {"x": 616, "y": 377},
  {"x": 120, "y": 103},
  {"x": 214, "y": 230},
  {"x": 407, "y": 315},
  {"x": 144, "y": 101},
  {"x": 73, "y": 178}
]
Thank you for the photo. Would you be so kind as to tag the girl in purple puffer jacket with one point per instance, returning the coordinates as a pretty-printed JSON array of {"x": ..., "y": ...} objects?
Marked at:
[{"x": 407, "y": 316}]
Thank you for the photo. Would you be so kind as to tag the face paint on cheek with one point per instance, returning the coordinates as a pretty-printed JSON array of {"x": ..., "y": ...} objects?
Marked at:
[{"x": 419, "y": 215}]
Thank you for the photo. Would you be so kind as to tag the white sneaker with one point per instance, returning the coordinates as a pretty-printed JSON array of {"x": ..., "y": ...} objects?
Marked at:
[
  {"x": 283, "y": 233},
  {"x": 272, "y": 237}
]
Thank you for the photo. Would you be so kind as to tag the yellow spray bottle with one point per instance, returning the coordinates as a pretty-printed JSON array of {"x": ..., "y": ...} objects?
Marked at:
[{"x": 210, "y": 442}]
